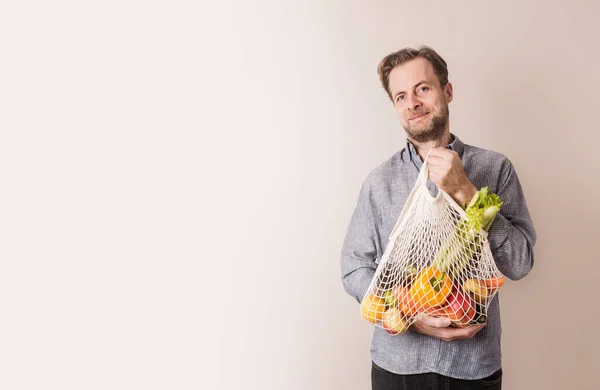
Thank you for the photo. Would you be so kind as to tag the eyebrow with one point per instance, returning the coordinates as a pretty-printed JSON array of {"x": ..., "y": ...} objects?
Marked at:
[{"x": 415, "y": 86}]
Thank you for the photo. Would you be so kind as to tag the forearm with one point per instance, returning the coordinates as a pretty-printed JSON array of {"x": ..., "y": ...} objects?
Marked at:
[{"x": 360, "y": 248}]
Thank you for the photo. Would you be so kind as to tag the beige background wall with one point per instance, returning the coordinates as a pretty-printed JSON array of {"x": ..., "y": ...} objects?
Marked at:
[{"x": 178, "y": 177}]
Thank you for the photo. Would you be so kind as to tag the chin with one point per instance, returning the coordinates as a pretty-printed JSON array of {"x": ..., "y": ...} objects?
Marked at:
[{"x": 426, "y": 135}]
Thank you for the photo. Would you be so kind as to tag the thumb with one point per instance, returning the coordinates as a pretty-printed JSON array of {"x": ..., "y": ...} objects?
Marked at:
[{"x": 438, "y": 322}]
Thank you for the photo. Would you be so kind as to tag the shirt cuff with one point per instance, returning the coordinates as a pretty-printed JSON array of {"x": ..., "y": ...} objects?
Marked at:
[{"x": 362, "y": 282}]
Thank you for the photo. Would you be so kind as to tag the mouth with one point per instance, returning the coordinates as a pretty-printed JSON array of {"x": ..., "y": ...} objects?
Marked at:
[{"x": 418, "y": 117}]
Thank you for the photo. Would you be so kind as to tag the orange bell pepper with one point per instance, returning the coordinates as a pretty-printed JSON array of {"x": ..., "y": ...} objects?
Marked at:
[{"x": 430, "y": 288}]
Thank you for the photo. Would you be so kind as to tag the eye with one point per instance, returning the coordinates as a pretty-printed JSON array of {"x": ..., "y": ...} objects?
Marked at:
[
  {"x": 399, "y": 97},
  {"x": 424, "y": 89}
]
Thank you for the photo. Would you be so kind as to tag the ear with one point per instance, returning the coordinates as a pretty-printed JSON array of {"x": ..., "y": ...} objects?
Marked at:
[{"x": 448, "y": 92}]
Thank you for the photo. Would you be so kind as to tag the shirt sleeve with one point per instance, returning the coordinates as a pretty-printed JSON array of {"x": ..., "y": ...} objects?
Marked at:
[
  {"x": 512, "y": 235},
  {"x": 359, "y": 249}
]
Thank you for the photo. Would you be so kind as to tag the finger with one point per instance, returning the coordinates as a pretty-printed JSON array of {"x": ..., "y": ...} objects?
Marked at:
[
  {"x": 469, "y": 331},
  {"x": 439, "y": 169},
  {"x": 440, "y": 152},
  {"x": 437, "y": 156},
  {"x": 434, "y": 162},
  {"x": 437, "y": 174},
  {"x": 439, "y": 161},
  {"x": 436, "y": 322},
  {"x": 477, "y": 328},
  {"x": 450, "y": 333},
  {"x": 436, "y": 178},
  {"x": 443, "y": 154}
]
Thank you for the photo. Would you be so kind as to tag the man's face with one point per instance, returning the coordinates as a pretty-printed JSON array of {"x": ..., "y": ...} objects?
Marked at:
[{"x": 420, "y": 102}]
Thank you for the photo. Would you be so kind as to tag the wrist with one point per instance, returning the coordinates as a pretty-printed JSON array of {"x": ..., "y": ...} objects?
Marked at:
[{"x": 465, "y": 194}]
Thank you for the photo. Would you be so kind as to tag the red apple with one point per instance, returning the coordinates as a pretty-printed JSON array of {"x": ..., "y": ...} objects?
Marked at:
[{"x": 460, "y": 308}]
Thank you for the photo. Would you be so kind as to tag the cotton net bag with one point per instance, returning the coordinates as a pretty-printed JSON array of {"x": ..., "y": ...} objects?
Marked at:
[{"x": 437, "y": 262}]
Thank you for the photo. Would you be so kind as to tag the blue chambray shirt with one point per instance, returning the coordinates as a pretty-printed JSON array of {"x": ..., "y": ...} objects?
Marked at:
[{"x": 511, "y": 237}]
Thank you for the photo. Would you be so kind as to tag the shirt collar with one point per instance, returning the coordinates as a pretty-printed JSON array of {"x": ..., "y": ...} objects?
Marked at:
[{"x": 457, "y": 145}]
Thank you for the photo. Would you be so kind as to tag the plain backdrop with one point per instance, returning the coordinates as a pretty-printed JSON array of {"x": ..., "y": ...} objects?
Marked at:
[{"x": 177, "y": 178}]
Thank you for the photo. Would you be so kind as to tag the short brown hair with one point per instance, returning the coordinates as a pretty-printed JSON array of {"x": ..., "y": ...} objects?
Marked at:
[{"x": 401, "y": 56}]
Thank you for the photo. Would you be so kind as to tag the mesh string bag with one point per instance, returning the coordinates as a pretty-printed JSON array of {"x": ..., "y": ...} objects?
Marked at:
[{"x": 437, "y": 262}]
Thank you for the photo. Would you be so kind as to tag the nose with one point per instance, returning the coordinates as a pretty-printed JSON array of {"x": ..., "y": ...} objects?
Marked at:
[{"x": 413, "y": 102}]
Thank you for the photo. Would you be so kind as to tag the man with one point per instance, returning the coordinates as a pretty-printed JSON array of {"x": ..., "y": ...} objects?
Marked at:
[{"x": 432, "y": 354}]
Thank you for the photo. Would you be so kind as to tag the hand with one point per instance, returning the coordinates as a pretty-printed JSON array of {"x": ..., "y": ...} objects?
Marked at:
[
  {"x": 439, "y": 327},
  {"x": 447, "y": 172}
]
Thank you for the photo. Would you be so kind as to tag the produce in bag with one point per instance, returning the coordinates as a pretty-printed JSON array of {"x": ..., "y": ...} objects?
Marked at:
[{"x": 437, "y": 262}]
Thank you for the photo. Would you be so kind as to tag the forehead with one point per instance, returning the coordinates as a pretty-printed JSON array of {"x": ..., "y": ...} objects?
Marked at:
[{"x": 406, "y": 76}]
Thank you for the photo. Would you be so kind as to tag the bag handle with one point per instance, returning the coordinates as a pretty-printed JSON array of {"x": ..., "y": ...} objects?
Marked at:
[{"x": 424, "y": 173}]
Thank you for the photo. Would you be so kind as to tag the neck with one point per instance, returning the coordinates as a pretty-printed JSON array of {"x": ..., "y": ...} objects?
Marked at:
[{"x": 423, "y": 147}]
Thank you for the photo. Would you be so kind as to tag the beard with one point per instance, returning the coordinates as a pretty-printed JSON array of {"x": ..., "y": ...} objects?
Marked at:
[{"x": 435, "y": 130}]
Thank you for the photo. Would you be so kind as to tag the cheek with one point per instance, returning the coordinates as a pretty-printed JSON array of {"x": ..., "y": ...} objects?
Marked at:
[
  {"x": 438, "y": 106},
  {"x": 402, "y": 114}
]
